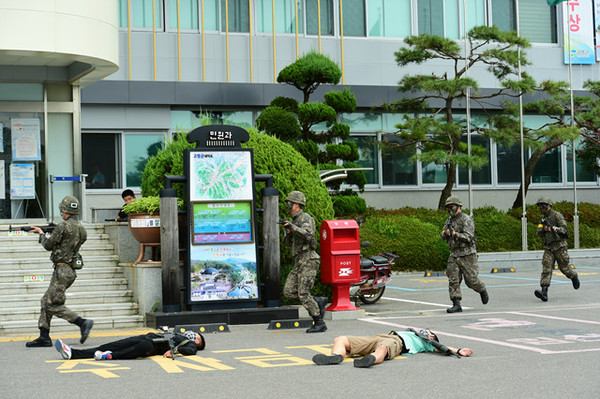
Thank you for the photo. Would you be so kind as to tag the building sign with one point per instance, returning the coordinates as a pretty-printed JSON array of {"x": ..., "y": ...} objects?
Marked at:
[
  {"x": 578, "y": 20},
  {"x": 25, "y": 141},
  {"x": 222, "y": 246}
]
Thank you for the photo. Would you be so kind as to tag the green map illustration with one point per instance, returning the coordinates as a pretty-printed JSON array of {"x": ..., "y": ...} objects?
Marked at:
[{"x": 220, "y": 176}]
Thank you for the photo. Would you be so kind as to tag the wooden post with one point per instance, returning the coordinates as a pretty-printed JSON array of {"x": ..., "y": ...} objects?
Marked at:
[
  {"x": 169, "y": 239},
  {"x": 271, "y": 258}
]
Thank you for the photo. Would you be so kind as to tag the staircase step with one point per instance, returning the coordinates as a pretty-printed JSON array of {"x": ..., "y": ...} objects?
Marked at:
[
  {"x": 78, "y": 286},
  {"x": 80, "y": 298},
  {"x": 87, "y": 273},
  {"x": 37, "y": 250},
  {"x": 29, "y": 262},
  {"x": 87, "y": 311},
  {"x": 12, "y": 328}
]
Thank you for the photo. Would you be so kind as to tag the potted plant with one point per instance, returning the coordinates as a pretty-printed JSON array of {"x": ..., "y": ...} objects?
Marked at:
[{"x": 144, "y": 219}]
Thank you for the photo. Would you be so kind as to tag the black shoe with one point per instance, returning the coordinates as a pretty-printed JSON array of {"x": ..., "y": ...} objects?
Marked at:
[
  {"x": 484, "y": 297},
  {"x": 575, "y": 281},
  {"x": 455, "y": 307},
  {"x": 318, "y": 326},
  {"x": 323, "y": 360},
  {"x": 85, "y": 330},
  {"x": 542, "y": 294},
  {"x": 39, "y": 343},
  {"x": 365, "y": 362}
]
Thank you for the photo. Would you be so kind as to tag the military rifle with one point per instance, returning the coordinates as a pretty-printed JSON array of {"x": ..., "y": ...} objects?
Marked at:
[
  {"x": 168, "y": 337},
  {"x": 546, "y": 223},
  {"x": 48, "y": 228},
  {"x": 451, "y": 238}
]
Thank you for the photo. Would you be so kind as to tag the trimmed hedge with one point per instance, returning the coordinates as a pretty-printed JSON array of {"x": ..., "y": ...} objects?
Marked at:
[{"x": 414, "y": 233}]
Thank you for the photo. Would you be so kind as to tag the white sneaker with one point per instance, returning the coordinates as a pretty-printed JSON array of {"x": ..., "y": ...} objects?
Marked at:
[
  {"x": 63, "y": 349},
  {"x": 99, "y": 355}
]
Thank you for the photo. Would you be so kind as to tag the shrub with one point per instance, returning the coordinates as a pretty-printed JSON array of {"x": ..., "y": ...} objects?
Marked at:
[
  {"x": 496, "y": 231},
  {"x": 418, "y": 244},
  {"x": 346, "y": 205}
]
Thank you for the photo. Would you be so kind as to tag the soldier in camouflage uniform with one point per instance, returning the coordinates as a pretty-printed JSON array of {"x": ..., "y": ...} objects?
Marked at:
[
  {"x": 300, "y": 235},
  {"x": 553, "y": 230},
  {"x": 64, "y": 242},
  {"x": 459, "y": 231}
]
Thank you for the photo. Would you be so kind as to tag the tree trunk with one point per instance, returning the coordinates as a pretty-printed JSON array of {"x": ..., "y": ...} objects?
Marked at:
[
  {"x": 447, "y": 191},
  {"x": 530, "y": 168}
]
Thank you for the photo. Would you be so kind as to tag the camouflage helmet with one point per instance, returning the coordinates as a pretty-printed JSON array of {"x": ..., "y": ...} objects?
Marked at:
[
  {"x": 453, "y": 200},
  {"x": 296, "y": 197},
  {"x": 69, "y": 205},
  {"x": 544, "y": 200}
]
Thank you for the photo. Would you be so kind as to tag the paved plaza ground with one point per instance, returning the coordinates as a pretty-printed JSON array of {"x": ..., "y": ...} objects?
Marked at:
[{"x": 522, "y": 348}]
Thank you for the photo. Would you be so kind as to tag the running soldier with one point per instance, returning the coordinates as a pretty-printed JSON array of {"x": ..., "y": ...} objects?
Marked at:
[
  {"x": 459, "y": 231},
  {"x": 300, "y": 235},
  {"x": 64, "y": 242},
  {"x": 553, "y": 230}
]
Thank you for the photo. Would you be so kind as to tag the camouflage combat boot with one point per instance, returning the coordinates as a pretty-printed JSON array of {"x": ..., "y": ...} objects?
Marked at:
[
  {"x": 455, "y": 306},
  {"x": 542, "y": 294},
  {"x": 322, "y": 302},
  {"x": 575, "y": 281}
]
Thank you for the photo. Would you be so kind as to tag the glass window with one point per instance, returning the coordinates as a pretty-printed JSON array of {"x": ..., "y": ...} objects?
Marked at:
[
  {"x": 549, "y": 168},
  {"x": 238, "y": 15},
  {"x": 362, "y": 121},
  {"x": 389, "y": 18},
  {"x": 583, "y": 173},
  {"x": 432, "y": 173},
  {"x": 138, "y": 148},
  {"x": 100, "y": 159},
  {"x": 483, "y": 175},
  {"x": 503, "y": 14},
  {"x": 141, "y": 12},
  {"x": 538, "y": 24},
  {"x": 211, "y": 15},
  {"x": 312, "y": 17},
  {"x": 430, "y": 15},
  {"x": 452, "y": 21},
  {"x": 367, "y": 148},
  {"x": 285, "y": 16},
  {"x": 123, "y": 15},
  {"x": 475, "y": 14},
  {"x": 509, "y": 164},
  {"x": 188, "y": 14},
  {"x": 397, "y": 167},
  {"x": 21, "y": 92},
  {"x": 354, "y": 17}
]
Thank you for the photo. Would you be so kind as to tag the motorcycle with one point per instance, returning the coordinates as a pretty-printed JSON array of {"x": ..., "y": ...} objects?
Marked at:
[{"x": 375, "y": 274}]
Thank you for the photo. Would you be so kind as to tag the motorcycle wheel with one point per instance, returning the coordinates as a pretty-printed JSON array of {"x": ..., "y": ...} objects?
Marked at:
[{"x": 371, "y": 296}]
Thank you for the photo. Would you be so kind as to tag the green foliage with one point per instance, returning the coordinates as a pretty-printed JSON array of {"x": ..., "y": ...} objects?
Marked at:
[
  {"x": 418, "y": 244},
  {"x": 496, "y": 231},
  {"x": 279, "y": 122},
  {"x": 341, "y": 101},
  {"x": 167, "y": 161},
  {"x": 150, "y": 205},
  {"x": 435, "y": 134},
  {"x": 309, "y": 72},
  {"x": 294, "y": 123},
  {"x": 348, "y": 205}
]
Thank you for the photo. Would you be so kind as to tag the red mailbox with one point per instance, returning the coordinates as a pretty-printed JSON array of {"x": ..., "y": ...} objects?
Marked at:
[{"x": 340, "y": 260}]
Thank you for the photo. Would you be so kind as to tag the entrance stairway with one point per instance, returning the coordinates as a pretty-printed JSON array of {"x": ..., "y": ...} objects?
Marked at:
[{"x": 100, "y": 292}]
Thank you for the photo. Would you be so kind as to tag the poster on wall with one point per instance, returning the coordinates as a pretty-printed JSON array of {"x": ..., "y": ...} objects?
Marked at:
[
  {"x": 22, "y": 181},
  {"x": 578, "y": 20},
  {"x": 2, "y": 180},
  {"x": 223, "y": 272},
  {"x": 219, "y": 175},
  {"x": 26, "y": 144},
  {"x": 597, "y": 19}
]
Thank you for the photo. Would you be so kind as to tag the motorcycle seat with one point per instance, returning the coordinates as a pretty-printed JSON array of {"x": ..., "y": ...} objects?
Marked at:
[
  {"x": 379, "y": 260},
  {"x": 366, "y": 263}
]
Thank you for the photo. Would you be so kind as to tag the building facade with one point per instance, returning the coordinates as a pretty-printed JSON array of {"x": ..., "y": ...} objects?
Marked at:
[{"x": 186, "y": 62}]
